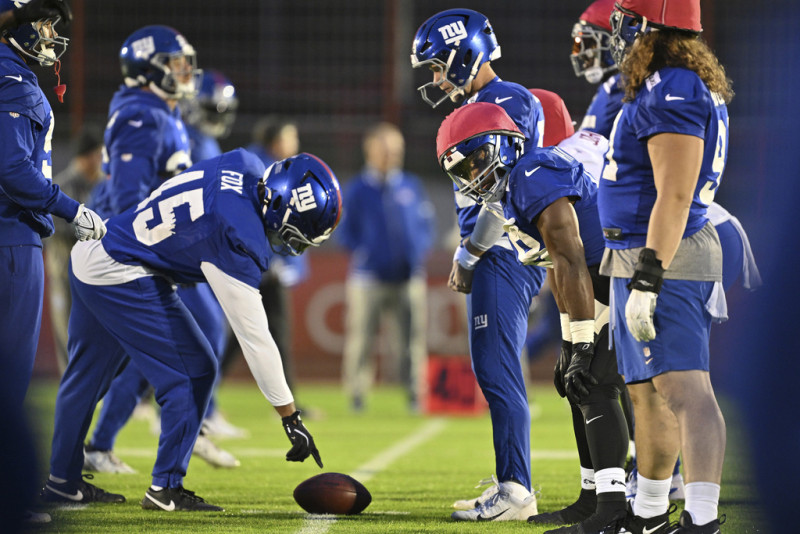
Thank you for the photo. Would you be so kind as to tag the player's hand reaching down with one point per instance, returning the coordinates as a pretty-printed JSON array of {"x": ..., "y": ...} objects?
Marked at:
[
  {"x": 562, "y": 364},
  {"x": 302, "y": 442},
  {"x": 88, "y": 225}
]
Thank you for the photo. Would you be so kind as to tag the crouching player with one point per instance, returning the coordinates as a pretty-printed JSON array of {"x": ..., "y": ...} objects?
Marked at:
[
  {"x": 550, "y": 214},
  {"x": 212, "y": 223}
]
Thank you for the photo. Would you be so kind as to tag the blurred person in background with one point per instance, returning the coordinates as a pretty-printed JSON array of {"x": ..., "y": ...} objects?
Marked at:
[
  {"x": 388, "y": 227},
  {"x": 78, "y": 181},
  {"x": 273, "y": 139},
  {"x": 146, "y": 143},
  {"x": 28, "y": 198},
  {"x": 457, "y": 48},
  {"x": 667, "y": 153},
  {"x": 209, "y": 117}
]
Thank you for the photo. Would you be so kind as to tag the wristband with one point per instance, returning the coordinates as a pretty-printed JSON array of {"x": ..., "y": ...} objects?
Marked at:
[
  {"x": 582, "y": 331},
  {"x": 648, "y": 274},
  {"x": 566, "y": 333},
  {"x": 465, "y": 258}
]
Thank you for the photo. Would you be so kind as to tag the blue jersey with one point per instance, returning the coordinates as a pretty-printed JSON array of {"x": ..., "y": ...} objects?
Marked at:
[
  {"x": 210, "y": 213},
  {"x": 526, "y": 112},
  {"x": 146, "y": 143},
  {"x": 27, "y": 192},
  {"x": 538, "y": 179},
  {"x": 605, "y": 105},
  {"x": 673, "y": 100},
  {"x": 202, "y": 146}
]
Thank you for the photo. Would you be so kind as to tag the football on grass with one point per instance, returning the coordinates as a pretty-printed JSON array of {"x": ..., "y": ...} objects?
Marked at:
[{"x": 332, "y": 493}]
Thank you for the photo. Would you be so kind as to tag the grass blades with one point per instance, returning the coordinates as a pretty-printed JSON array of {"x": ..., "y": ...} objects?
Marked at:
[{"x": 415, "y": 467}]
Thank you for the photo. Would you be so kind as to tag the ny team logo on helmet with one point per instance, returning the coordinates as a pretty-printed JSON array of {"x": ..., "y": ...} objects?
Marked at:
[
  {"x": 160, "y": 58},
  {"x": 591, "y": 42},
  {"x": 477, "y": 145},
  {"x": 632, "y": 18},
  {"x": 302, "y": 203},
  {"x": 213, "y": 110},
  {"x": 37, "y": 41},
  {"x": 455, "y": 42}
]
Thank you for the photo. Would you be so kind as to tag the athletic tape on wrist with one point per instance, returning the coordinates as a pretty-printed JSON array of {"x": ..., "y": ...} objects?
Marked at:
[
  {"x": 465, "y": 258},
  {"x": 582, "y": 331},
  {"x": 566, "y": 333}
]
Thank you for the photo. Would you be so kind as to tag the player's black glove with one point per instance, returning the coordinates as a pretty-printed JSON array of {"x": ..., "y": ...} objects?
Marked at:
[
  {"x": 578, "y": 377},
  {"x": 43, "y": 9},
  {"x": 302, "y": 442},
  {"x": 562, "y": 364}
]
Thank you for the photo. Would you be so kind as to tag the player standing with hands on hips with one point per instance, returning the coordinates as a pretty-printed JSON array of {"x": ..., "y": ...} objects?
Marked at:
[{"x": 668, "y": 149}]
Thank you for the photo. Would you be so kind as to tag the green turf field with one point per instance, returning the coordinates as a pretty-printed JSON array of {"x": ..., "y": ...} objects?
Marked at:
[{"x": 414, "y": 466}]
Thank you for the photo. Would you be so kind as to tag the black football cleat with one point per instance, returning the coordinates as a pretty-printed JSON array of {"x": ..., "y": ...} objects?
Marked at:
[
  {"x": 77, "y": 492},
  {"x": 610, "y": 523},
  {"x": 651, "y": 525},
  {"x": 685, "y": 525},
  {"x": 176, "y": 499},
  {"x": 576, "y": 512}
]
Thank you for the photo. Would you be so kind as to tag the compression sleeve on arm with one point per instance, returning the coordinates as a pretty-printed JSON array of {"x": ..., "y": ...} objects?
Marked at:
[
  {"x": 488, "y": 229},
  {"x": 245, "y": 312}
]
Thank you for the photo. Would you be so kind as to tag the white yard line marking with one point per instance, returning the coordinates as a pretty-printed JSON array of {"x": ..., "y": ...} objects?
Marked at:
[{"x": 319, "y": 524}]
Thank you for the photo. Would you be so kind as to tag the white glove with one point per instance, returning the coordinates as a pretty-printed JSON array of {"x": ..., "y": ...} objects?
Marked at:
[
  {"x": 639, "y": 312},
  {"x": 88, "y": 224}
]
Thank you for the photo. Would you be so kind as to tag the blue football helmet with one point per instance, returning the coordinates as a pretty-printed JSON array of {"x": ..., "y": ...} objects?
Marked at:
[
  {"x": 455, "y": 42},
  {"x": 213, "y": 110},
  {"x": 160, "y": 58},
  {"x": 302, "y": 203},
  {"x": 38, "y": 40}
]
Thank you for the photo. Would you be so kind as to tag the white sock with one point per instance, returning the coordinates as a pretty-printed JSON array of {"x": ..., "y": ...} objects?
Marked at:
[
  {"x": 652, "y": 496},
  {"x": 587, "y": 479},
  {"x": 57, "y": 480},
  {"x": 156, "y": 488},
  {"x": 610, "y": 479},
  {"x": 702, "y": 500}
]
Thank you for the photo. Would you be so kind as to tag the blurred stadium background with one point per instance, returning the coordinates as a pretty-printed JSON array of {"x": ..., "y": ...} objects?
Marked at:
[{"x": 336, "y": 67}]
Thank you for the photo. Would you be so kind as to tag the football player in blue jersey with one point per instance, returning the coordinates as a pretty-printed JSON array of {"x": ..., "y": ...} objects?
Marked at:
[
  {"x": 28, "y": 198},
  {"x": 549, "y": 210},
  {"x": 146, "y": 143},
  {"x": 668, "y": 149},
  {"x": 210, "y": 115},
  {"x": 458, "y": 46},
  {"x": 213, "y": 223}
]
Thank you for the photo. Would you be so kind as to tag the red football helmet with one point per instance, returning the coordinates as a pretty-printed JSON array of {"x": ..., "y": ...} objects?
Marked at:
[
  {"x": 677, "y": 14},
  {"x": 557, "y": 120}
]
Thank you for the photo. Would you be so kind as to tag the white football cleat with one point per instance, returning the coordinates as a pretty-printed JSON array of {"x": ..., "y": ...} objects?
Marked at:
[
  {"x": 105, "y": 462},
  {"x": 469, "y": 504},
  {"x": 208, "y": 451},
  {"x": 217, "y": 426},
  {"x": 511, "y": 502}
]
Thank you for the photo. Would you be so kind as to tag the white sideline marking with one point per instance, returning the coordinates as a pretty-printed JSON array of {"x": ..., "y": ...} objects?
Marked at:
[{"x": 319, "y": 524}]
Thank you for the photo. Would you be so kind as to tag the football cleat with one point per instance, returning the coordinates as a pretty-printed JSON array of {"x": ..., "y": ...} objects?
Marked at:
[
  {"x": 208, "y": 451},
  {"x": 105, "y": 462},
  {"x": 176, "y": 499},
  {"x": 650, "y": 525},
  {"x": 77, "y": 492},
  {"x": 576, "y": 512},
  {"x": 685, "y": 525},
  {"x": 511, "y": 502},
  {"x": 469, "y": 504},
  {"x": 608, "y": 523},
  {"x": 216, "y": 425}
]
